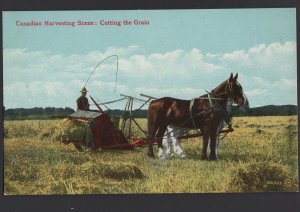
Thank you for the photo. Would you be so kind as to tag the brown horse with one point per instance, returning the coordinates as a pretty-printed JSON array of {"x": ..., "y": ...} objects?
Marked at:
[{"x": 206, "y": 113}]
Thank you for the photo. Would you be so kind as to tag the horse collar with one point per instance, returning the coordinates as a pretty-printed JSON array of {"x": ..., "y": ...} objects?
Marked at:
[
  {"x": 191, "y": 111},
  {"x": 209, "y": 98},
  {"x": 191, "y": 107}
]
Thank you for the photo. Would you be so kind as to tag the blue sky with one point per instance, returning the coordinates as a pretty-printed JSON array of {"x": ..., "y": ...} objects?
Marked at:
[{"x": 181, "y": 53}]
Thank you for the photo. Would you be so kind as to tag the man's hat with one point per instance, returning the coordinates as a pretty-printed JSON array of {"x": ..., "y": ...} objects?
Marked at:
[{"x": 84, "y": 90}]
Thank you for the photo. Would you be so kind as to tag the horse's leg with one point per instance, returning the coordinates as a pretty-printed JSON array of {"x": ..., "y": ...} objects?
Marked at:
[
  {"x": 160, "y": 135},
  {"x": 214, "y": 141},
  {"x": 161, "y": 154},
  {"x": 205, "y": 145},
  {"x": 152, "y": 130},
  {"x": 151, "y": 134},
  {"x": 213, "y": 145}
]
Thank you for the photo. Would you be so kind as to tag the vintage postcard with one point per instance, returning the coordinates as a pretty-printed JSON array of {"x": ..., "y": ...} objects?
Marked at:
[{"x": 150, "y": 101}]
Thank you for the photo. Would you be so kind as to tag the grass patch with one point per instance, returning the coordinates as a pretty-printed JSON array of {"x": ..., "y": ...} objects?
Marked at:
[
  {"x": 36, "y": 162},
  {"x": 261, "y": 177}
]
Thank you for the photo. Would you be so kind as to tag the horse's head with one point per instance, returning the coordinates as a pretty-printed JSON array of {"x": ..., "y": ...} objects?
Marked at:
[{"x": 235, "y": 91}]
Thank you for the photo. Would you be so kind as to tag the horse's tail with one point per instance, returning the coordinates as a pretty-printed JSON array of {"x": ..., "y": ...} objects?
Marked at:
[
  {"x": 151, "y": 119},
  {"x": 154, "y": 117}
]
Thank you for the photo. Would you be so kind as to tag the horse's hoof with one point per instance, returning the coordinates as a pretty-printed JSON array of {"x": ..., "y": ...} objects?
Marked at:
[
  {"x": 151, "y": 155},
  {"x": 213, "y": 158},
  {"x": 204, "y": 157}
]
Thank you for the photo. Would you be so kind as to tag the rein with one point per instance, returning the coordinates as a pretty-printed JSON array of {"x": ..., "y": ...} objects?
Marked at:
[
  {"x": 191, "y": 114},
  {"x": 180, "y": 126},
  {"x": 190, "y": 118},
  {"x": 211, "y": 96}
]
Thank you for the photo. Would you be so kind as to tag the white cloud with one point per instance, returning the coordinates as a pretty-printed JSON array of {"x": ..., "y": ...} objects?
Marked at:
[
  {"x": 34, "y": 88},
  {"x": 107, "y": 87},
  {"x": 141, "y": 63},
  {"x": 17, "y": 88},
  {"x": 54, "y": 88},
  {"x": 259, "y": 82},
  {"x": 127, "y": 51},
  {"x": 239, "y": 55},
  {"x": 286, "y": 84},
  {"x": 185, "y": 92},
  {"x": 169, "y": 66},
  {"x": 278, "y": 59},
  {"x": 263, "y": 70},
  {"x": 274, "y": 56},
  {"x": 168, "y": 56},
  {"x": 255, "y": 92},
  {"x": 256, "y": 82}
]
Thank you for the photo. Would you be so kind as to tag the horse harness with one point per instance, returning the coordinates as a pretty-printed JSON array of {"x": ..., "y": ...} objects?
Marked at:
[{"x": 214, "y": 107}]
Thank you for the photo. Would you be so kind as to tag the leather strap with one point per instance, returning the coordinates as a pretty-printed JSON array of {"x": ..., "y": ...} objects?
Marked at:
[{"x": 191, "y": 112}]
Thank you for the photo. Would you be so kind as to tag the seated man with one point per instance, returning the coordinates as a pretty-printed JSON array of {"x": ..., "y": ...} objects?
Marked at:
[
  {"x": 82, "y": 101},
  {"x": 171, "y": 145}
]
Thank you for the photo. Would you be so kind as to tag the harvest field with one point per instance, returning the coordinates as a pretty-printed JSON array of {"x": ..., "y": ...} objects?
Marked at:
[{"x": 260, "y": 155}]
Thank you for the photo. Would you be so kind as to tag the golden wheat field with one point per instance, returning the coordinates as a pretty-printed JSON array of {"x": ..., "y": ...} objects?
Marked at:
[{"x": 261, "y": 155}]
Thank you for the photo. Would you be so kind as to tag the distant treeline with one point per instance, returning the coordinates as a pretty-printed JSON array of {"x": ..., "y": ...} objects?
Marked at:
[
  {"x": 36, "y": 113},
  {"x": 268, "y": 110},
  {"x": 46, "y": 113}
]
